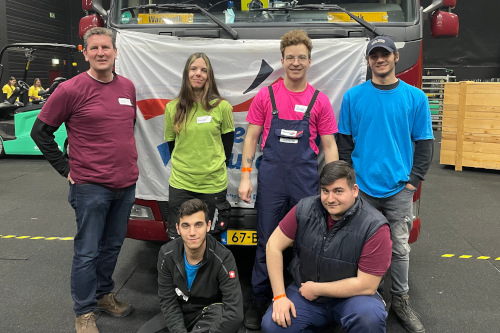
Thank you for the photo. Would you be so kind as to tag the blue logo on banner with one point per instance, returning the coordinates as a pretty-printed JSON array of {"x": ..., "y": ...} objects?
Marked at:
[{"x": 164, "y": 153}]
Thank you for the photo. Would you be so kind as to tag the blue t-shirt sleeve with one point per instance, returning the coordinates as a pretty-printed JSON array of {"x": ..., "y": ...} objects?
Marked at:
[
  {"x": 422, "y": 125},
  {"x": 345, "y": 116}
]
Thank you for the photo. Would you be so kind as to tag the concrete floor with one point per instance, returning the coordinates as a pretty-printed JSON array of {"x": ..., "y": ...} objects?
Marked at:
[{"x": 460, "y": 216}]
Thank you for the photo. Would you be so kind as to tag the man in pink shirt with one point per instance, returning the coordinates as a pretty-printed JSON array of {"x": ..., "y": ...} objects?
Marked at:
[
  {"x": 291, "y": 114},
  {"x": 343, "y": 248}
]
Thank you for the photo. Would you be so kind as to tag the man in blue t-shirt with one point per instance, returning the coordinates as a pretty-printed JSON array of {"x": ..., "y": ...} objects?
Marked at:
[
  {"x": 198, "y": 281},
  {"x": 385, "y": 131}
]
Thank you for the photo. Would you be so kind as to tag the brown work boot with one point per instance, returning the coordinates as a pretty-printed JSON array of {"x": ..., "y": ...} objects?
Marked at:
[
  {"x": 407, "y": 316},
  {"x": 115, "y": 308},
  {"x": 86, "y": 323}
]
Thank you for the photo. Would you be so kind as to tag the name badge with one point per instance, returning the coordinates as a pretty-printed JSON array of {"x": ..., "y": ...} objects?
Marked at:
[
  {"x": 289, "y": 133},
  {"x": 286, "y": 140},
  {"x": 124, "y": 101},
  {"x": 300, "y": 108},
  {"x": 203, "y": 120}
]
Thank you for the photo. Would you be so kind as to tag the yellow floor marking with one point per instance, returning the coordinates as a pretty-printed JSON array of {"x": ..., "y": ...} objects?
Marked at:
[
  {"x": 483, "y": 257},
  {"x": 465, "y": 257},
  {"x": 448, "y": 255},
  {"x": 37, "y": 237},
  {"x": 497, "y": 258}
]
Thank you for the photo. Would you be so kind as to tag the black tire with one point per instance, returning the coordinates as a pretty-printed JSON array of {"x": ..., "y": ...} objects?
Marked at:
[{"x": 2, "y": 150}]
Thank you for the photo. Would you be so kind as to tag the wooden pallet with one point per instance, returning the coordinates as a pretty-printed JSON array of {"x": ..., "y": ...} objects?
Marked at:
[{"x": 471, "y": 125}]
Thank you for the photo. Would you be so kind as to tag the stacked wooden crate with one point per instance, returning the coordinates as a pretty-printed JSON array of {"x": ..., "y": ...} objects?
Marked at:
[{"x": 471, "y": 125}]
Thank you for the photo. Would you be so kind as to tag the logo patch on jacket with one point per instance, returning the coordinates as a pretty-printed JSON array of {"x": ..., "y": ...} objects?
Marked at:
[{"x": 232, "y": 274}]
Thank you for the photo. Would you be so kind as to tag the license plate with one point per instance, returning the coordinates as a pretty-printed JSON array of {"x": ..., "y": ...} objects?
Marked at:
[
  {"x": 165, "y": 18},
  {"x": 239, "y": 237},
  {"x": 367, "y": 16}
]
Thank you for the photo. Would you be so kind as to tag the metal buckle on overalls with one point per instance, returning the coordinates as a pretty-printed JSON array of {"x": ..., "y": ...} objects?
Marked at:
[{"x": 275, "y": 112}]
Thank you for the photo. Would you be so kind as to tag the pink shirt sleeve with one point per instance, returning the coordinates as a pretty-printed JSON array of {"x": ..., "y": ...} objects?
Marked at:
[
  {"x": 257, "y": 113},
  {"x": 376, "y": 255},
  {"x": 326, "y": 122},
  {"x": 288, "y": 224}
]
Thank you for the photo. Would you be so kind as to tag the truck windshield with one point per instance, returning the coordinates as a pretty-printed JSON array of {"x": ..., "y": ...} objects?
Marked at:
[{"x": 253, "y": 12}]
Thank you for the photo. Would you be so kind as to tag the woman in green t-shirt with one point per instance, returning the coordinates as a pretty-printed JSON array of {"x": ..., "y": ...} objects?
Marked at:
[{"x": 199, "y": 129}]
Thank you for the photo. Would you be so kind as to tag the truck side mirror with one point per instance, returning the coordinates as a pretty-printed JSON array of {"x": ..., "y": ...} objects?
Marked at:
[
  {"x": 444, "y": 24},
  {"x": 89, "y": 22},
  {"x": 87, "y": 5},
  {"x": 449, "y": 3}
]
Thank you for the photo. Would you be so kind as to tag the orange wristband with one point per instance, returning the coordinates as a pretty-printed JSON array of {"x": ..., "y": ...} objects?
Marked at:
[
  {"x": 246, "y": 169},
  {"x": 278, "y": 297}
]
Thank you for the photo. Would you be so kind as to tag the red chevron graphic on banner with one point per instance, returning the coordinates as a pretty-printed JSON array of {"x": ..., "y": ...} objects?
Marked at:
[
  {"x": 154, "y": 107},
  {"x": 151, "y": 108}
]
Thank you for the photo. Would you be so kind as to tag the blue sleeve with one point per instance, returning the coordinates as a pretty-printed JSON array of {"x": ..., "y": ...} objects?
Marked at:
[
  {"x": 422, "y": 124},
  {"x": 345, "y": 116}
]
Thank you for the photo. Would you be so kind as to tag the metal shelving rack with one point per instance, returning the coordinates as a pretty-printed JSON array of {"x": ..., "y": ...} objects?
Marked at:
[{"x": 433, "y": 86}]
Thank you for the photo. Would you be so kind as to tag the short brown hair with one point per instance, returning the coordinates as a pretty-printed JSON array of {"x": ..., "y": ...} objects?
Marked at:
[
  {"x": 295, "y": 37},
  {"x": 191, "y": 207},
  {"x": 99, "y": 31},
  {"x": 336, "y": 170}
]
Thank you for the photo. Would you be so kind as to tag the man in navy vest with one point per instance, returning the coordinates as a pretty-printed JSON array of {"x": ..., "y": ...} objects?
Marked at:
[{"x": 343, "y": 248}]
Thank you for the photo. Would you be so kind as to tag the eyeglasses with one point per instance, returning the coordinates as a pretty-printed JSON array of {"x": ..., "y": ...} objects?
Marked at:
[{"x": 301, "y": 58}]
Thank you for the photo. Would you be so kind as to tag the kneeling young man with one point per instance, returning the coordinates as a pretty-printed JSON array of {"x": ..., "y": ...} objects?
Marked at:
[
  {"x": 198, "y": 281},
  {"x": 343, "y": 248}
]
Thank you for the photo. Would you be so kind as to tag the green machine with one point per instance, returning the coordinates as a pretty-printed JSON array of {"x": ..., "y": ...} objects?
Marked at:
[{"x": 16, "y": 118}]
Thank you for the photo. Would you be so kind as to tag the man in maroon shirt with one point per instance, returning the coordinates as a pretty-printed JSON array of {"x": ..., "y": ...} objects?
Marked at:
[
  {"x": 343, "y": 248},
  {"x": 98, "y": 108}
]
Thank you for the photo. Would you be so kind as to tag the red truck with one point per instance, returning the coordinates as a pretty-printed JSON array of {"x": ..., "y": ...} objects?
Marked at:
[{"x": 155, "y": 37}]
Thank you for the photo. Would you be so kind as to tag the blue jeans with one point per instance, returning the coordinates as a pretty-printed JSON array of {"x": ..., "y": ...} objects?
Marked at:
[
  {"x": 361, "y": 314},
  {"x": 398, "y": 211},
  {"x": 101, "y": 219}
]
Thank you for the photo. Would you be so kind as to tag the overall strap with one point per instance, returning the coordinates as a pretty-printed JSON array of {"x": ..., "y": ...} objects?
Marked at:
[
  {"x": 273, "y": 102},
  {"x": 309, "y": 108}
]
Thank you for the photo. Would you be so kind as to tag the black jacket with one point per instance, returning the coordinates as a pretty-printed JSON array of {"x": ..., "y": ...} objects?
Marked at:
[{"x": 216, "y": 281}]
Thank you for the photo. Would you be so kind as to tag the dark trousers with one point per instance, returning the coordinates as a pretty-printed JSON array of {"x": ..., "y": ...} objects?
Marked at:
[
  {"x": 176, "y": 197},
  {"x": 280, "y": 187},
  {"x": 197, "y": 323},
  {"x": 358, "y": 314},
  {"x": 102, "y": 216}
]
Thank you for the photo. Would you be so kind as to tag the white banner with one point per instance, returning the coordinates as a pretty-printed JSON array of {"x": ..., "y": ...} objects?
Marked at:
[{"x": 155, "y": 64}]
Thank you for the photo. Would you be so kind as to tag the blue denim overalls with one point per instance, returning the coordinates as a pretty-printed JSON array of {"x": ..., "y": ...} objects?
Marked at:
[{"x": 288, "y": 172}]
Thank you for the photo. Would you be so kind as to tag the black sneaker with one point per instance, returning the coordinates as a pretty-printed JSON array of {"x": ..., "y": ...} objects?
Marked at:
[
  {"x": 407, "y": 316},
  {"x": 254, "y": 314}
]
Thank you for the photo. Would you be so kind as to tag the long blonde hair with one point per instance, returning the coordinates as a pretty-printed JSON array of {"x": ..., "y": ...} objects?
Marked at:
[{"x": 187, "y": 96}]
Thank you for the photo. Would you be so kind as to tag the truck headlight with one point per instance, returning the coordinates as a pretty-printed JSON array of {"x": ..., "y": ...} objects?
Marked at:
[{"x": 140, "y": 212}]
